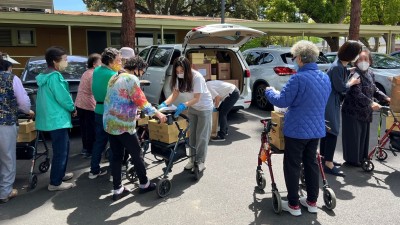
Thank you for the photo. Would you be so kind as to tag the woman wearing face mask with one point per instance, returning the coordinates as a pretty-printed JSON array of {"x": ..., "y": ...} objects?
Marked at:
[
  {"x": 357, "y": 111},
  {"x": 191, "y": 83},
  {"x": 85, "y": 105},
  {"x": 54, "y": 107},
  {"x": 112, "y": 63},
  {"x": 338, "y": 75}
]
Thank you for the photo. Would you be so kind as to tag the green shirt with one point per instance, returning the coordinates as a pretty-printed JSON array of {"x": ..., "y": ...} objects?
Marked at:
[{"x": 101, "y": 76}]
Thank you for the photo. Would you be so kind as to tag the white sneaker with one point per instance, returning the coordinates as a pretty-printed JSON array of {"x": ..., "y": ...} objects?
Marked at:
[
  {"x": 189, "y": 166},
  {"x": 63, "y": 186},
  {"x": 111, "y": 178},
  {"x": 68, "y": 176},
  {"x": 101, "y": 173},
  {"x": 312, "y": 207},
  {"x": 202, "y": 167},
  {"x": 295, "y": 211}
]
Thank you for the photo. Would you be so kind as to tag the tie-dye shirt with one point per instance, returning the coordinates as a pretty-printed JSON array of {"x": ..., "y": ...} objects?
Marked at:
[{"x": 123, "y": 98}]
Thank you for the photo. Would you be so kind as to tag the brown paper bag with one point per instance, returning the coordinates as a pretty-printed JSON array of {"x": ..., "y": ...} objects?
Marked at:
[
  {"x": 214, "y": 129},
  {"x": 395, "y": 98}
]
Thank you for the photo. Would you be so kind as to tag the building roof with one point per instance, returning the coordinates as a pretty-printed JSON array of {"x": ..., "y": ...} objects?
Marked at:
[{"x": 143, "y": 21}]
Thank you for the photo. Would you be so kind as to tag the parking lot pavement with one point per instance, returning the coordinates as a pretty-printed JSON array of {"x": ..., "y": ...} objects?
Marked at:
[{"x": 226, "y": 194}]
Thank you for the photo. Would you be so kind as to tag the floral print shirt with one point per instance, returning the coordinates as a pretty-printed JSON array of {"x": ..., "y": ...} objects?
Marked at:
[{"x": 122, "y": 101}]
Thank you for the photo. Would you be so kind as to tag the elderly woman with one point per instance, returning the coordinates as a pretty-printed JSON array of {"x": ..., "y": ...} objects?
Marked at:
[
  {"x": 305, "y": 95},
  {"x": 54, "y": 107},
  {"x": 338, "y": 74},
  {"x": 357, "y": 111},
  {"x": 124, "y": 97},
  {"x": 14, "y": 98}
]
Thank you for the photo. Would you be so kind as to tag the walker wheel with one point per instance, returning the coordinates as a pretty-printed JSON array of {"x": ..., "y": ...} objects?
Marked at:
[
  {"x": 163, "y": 187},
  {"x": 131, "y": 174},
  {"x": 381, "y": 155},
  {"x": 260, "y": 179},
  {"x": 329, "y": 198},
  {"x": 44, "y": 166},
  {"x": 276, "y": 201},
  {"x": 32, "y": 182},
  {"x": 367, "y": 165}
]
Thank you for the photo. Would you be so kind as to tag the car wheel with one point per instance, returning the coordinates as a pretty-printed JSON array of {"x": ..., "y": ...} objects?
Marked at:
[{"x": 259, "y": 97}]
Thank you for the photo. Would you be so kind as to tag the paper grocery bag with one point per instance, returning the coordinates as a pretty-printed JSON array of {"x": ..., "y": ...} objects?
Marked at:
[
  {"x": 214, "y": 129},
  {"x": 395, "y": 98}
]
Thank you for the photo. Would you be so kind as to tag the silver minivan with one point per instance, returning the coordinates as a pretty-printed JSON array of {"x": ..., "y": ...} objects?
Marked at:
[{"x": 222, "y": 38}]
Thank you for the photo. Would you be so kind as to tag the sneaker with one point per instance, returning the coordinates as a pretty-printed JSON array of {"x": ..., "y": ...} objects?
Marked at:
[
  {"x": 311, "y": 206},
  {"x": 202, "y": 167},
  {"x": 83, "y": 151},
  {"x": 13, "y": 194},
  {"x": 63, "y": 186},
  {"x": 294, "y": 210},
  {"x": 100, "y": 173},
  {"x": 120, "y": 193},
  {"x": 217, "y": 138},
  {"x": 189, "y": 166},
  {"x": 111, "y": 178},
  {"x": 68, "y": 176},
  {"x": 151, "y": 187}
]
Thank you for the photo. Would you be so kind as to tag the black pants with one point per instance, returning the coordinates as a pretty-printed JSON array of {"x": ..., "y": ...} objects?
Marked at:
[
  {"x": 131, "y": 144},
  {"x": 297, "y": 151},
  {"x": 87, "y": 126},
  {"x": 224, "y": 109},
  {"x": 355, "y": 138},
  {"x": 327, "y": 146}
]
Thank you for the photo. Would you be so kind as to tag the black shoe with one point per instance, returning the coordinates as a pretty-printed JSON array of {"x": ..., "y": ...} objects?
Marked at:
[
  {"x": 151, "y": 187},
  {"x": 334, "y": 171},
  {"x": 217, "y": 138},
  {"x": 124, "y": 193}
]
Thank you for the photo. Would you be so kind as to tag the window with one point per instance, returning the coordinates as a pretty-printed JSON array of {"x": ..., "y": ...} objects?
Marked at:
[
  {"x": 115, "y": 39},
  {"x": 17, "y": 37},
  {"x": 161, "y": 57},
  {"x": 266, "y": 58},
  {"x": 168, "y": 39},
  {"x": 252, "y": 58}
]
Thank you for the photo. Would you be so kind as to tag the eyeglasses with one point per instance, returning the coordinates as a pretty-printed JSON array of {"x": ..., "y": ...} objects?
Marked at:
[{"x": 294, "y": 58}]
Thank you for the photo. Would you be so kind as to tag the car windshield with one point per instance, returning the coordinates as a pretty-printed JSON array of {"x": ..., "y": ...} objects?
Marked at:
[
  {"x": 76, "y": 67},
  {"x": 381, "y": 61}
]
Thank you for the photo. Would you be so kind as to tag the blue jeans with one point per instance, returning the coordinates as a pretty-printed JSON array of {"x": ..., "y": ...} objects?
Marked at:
[
  {"x": 60, "y": 145},
  {"x": 99, "y": 144}
]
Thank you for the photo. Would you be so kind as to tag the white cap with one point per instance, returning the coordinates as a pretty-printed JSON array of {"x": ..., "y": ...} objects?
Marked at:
[
  {"x": 127, "y": 52},
  {"x": 11, "y": 60}
]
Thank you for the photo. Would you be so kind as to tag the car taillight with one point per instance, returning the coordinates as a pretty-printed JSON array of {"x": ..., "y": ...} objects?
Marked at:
[
  {"x": 247, "y": 73},
  {"x": 283, "y": 71}
]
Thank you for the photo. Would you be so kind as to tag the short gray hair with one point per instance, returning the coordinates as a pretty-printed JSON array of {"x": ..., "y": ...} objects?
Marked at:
[{"x": 306, "y": 50}]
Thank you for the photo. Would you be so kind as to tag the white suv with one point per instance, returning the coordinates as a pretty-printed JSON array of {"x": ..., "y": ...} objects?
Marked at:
[{"x": 210, "y": 39}]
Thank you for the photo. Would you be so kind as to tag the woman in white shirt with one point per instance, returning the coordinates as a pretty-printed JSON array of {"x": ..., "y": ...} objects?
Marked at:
[
  {"x": 225, "y": 96},
  {"x": 191, "y": 83}
]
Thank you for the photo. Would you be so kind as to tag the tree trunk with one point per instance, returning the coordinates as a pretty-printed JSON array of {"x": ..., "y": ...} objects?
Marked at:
[
  {"x": 355, "y": 20},
  {"x": 366, "y": 43},
  {"x": 333, "y": 43},
  {"x": 128, "y": 23}
]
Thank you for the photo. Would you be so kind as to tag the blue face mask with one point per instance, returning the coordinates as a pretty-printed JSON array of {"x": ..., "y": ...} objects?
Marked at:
[{"x": 296, "y": 66}]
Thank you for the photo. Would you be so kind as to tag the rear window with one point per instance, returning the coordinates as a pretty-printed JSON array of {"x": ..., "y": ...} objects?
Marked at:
[
  {"x": 161, "y": 57},
  {"x": 76, "y": 67}
]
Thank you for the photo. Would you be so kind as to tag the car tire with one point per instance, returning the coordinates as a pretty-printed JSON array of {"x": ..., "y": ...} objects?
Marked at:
[{"x": 259, "y": 98}]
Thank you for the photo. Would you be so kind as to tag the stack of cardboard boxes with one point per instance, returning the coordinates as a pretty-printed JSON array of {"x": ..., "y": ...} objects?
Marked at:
[
  {"x": 165, "y": 133},
  {"x": 26, "y": 131},
  {"x": 276, "y": 133},
  {"x": 394, "y": 103},
  {"x": 210, "y": 68}
]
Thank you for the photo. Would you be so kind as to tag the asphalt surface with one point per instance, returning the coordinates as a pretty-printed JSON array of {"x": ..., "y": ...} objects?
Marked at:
[{"x": 226, "y": 194}]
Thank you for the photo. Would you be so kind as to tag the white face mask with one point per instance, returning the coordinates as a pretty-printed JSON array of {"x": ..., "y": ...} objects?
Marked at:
[
  {"x": 180, "y": 75},
  {"x": 363, "y": 65}
]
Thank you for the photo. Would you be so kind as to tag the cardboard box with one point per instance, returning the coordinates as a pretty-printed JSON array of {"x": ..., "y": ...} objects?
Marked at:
[
  {"x": 390, "y": 120},
  {"x": 26, "y": 137},
  {"x": 234, "y": 82},
  {"x": 277, "y": 131},
  {"x": 165, "y": 133},
  {"x": 223, "y": 71},
  {"x": 277, "y": 118},
  {"x": 395, "y": 95},
  {"x": 196, "y": 58},
  {"x": 214, "y": 129},
  {"x": 279, "y": 143},
  {"x": 142, "y": 121},
  {"x": 213, "y": 77},
  {"x": 204, "y": 69},
  {"x": 26, "y": 126}
]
